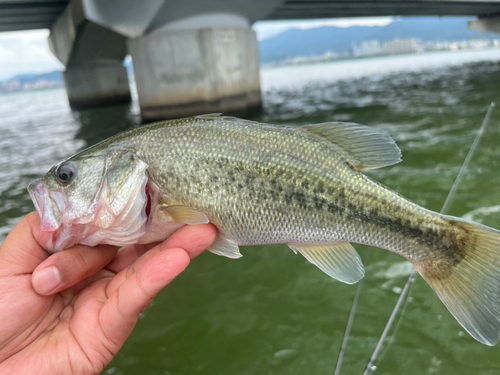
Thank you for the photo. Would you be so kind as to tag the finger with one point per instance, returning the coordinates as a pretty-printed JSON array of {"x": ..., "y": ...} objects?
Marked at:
[
  {"x": 21, "y": 251},
  {"x": 69, "y": 267},
  {"x": 128, "y": 255},
  {"x": 120, "y": 312},
  {"x": 193, "y": 239},
  {"x": 124, "y": 274}
]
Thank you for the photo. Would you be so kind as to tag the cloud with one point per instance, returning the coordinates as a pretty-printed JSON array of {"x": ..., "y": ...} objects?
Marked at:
[
  {"x": 26, "y": 52},
  {"x": 270, "y": 29}
]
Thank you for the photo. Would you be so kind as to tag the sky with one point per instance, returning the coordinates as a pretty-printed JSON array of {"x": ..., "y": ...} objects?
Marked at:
[{"x": 28, "y": 51}]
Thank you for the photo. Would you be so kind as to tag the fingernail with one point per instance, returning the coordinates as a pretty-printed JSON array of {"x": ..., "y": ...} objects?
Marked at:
[{"x": 47, "y": 280}]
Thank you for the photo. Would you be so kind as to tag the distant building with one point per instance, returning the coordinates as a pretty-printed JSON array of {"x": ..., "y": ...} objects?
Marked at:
[
  {"x": 12, "y": 85},
  {"x": 367, "y": 48},
  {"x": 479, "y": 44},
  {"x": 327, "y": 56},
  {"x": 401, "y": 46},
  {"x": 41, "y": 84}
]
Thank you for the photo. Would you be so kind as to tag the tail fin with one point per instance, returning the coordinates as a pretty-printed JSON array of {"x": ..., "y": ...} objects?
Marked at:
[{"x": 470, "y": 288}]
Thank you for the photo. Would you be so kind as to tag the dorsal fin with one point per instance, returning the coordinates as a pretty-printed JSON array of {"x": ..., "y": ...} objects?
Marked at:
[
  {"x": 209, "y": 115},
  {"x": 220, "y": 116},
  {"x": 364, "y": 146}
]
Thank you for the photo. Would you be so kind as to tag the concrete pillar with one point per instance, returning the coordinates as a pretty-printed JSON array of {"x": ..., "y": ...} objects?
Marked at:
[
  {"x": 185, "y": 72},
  {"x": 93, "y": 57},
  {"x": 96, "y": 82},
  {"x": 491, "y": 25}
]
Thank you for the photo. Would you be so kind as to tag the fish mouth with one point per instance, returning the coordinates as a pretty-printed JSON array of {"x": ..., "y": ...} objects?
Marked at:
[
  {"x": 50, "y": 205},
  {"x": 104, "y": 222},
  {"x": 47, "y": 205}
]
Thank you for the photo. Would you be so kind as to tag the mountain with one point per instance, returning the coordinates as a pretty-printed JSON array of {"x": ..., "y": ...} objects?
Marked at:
[
  {"x": 317, "y": 41},
  {"x": 298, "y": 42},
  {"x": 430, "y": 29},
  {"x": 55, "y": 76},
  {"x": 32, "y": 81}
]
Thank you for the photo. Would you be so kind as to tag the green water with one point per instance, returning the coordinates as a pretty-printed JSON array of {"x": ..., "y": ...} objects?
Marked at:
[{"x": 271, "y": 312}]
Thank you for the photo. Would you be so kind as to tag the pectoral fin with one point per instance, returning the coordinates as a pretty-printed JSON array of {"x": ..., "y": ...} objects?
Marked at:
[
  {"x": 340, "y": 261},
  {"x": 224, "y": 247},
  {"x": 185, "y": 215}
]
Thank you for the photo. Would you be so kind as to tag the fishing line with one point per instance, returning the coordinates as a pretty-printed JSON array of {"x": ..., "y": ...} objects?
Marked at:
[
  {"x": 370, "y": 367},
  {"x": 350, "y": 321}
]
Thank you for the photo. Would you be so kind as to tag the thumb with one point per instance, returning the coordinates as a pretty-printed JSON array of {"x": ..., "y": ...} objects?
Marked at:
[
  {"x": 21, "y": 251},
  {"x": 69, "y": 267}
]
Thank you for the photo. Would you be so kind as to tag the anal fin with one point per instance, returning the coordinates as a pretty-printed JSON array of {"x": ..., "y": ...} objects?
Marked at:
[
  {"x": 340, "y": 260},
  {"x": 224, "y": 247}
]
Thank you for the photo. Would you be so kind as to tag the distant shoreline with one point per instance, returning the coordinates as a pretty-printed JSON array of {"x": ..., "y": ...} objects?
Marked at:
[
  {"x": 2, "y": 93},
  {"x": 312, "y": 61},
  {"x": 289, "y": 77}
]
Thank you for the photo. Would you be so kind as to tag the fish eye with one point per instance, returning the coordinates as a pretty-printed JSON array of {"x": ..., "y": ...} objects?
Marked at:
[{"x": 65, "y": 173}]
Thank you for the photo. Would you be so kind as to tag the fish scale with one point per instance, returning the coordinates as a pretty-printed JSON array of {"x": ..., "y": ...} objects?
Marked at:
[
  {"x": 268, "y": 184},
  {"x": 266, "y": 162}
]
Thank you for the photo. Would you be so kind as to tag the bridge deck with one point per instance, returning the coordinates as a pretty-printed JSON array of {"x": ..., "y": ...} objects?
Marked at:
[
  {"x": 41, "y": 14},
  {"x": 26, "y": 15},
  {"x": 303, "y": 9}
]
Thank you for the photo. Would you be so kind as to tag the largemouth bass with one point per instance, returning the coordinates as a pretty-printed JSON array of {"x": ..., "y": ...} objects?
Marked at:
[{"x": 268, "y": 184}]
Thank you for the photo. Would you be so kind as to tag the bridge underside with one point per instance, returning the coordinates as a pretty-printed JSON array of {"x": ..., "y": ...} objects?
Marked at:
[
  {"x": 41, "y": 14},
  {"x": 29, "y": 15},
  {"x": 301, "y": 9}
]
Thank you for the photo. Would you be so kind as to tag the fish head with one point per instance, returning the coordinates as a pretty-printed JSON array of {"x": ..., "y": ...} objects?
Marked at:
[{"x": 93, "y": 198}]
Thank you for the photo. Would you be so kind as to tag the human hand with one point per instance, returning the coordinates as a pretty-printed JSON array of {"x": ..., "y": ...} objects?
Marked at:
[{"x": 75, "y": 320}]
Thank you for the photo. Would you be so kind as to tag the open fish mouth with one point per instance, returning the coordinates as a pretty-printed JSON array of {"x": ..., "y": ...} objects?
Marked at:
[
  {"x": 51, "y": 205},
  {"x": 101, "y": 224}
]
